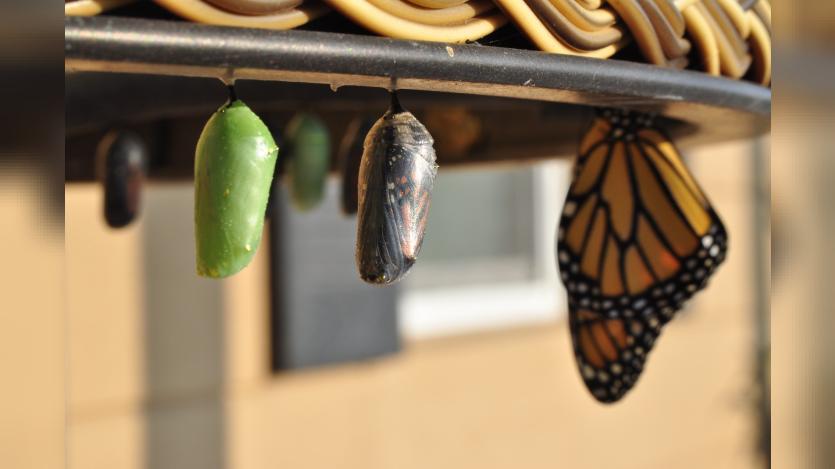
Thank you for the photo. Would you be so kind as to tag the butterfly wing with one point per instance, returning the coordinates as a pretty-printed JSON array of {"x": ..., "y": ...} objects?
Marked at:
[{"x": 637, "y": 238}]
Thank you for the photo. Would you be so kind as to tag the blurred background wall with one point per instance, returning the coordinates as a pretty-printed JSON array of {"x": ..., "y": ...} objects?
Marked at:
[
  {"x": 33, "y": 338},
  {"x": 168, "y": 370},
  {"x": 802, "y": 213}
]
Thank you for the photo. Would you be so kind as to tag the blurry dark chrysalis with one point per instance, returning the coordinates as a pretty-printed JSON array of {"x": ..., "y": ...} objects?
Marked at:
[
  {"x": 122, "y": 159},
  {"x": 396, "y": 176}
]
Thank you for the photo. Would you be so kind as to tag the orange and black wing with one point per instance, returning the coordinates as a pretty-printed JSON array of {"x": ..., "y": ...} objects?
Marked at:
[{"x": 637, "y": 238}]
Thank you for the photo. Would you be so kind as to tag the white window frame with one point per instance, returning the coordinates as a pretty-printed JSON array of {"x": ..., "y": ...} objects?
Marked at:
[{"x": 462, "y": 309}]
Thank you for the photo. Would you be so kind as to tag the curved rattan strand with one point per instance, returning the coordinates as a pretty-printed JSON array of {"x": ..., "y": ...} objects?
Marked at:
[
  {"x": 575, "y": 37},
  {"x": 435, "y": 16},
  {"x": 641, "y": 28},
  {"x": 255, "y": 7},
  {"x": 202, "y": 12},
  {"x": 92, "y": 7},
  {"x": 731, "y": 63},
  {"x": 703, "y": 37},
  {"x": 543, "y": 38},
  {"x": 584, "y": 18},
  {"x": 386, "y": 24},
  {"x": 729, "y": 37},
  {"x": 438, "y": 3},
  {"x": 737, "y": 16},
  {"x": 673, "y": 45}
]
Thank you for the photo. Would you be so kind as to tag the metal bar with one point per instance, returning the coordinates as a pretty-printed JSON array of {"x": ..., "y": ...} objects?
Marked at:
[{"x": 722, "y": 108}]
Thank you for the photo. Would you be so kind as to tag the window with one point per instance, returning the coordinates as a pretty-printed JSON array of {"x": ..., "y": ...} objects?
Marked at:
[{"x": 488, "y": 255}]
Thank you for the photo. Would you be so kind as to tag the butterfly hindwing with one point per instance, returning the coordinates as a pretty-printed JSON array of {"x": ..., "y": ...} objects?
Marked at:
[{"x": 637, "y": 239}]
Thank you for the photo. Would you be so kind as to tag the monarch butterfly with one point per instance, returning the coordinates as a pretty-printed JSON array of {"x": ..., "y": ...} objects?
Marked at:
[
  {"x": 637, "y": 238},
  {"x": 307, "y": 167},
  {"x": 233, "y": 168},
  {"x": 396, "y": 176}
]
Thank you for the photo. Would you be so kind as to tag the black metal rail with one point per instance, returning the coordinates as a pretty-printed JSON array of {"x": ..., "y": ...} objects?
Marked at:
[{"x": 718, "y": 109}]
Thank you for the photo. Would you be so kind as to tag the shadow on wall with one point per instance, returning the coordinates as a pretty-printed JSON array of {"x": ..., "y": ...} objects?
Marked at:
[{"x": 184, "y": 349}]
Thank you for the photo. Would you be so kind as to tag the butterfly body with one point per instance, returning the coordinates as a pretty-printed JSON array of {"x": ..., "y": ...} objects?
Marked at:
[{"x": 637, "y": 239}]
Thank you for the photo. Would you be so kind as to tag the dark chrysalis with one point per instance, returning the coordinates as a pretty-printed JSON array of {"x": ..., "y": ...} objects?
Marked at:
[
  {"x": 122, "y": 159},
  {"x": 350, "y": 156},
  {"x": 396, "y": 176}
]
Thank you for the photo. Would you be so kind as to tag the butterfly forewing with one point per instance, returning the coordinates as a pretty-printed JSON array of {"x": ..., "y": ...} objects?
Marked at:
[{"x": 637, "y": 238}]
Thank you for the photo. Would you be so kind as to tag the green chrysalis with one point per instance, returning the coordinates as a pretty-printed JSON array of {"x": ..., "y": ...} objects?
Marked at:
[
  {"x": 233, "y": 169},
  {"x": 307, "y": 166}
]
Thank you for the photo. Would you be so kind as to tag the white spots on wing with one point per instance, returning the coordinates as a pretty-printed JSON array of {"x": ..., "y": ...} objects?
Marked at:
[{"x": 569, "y": 208}]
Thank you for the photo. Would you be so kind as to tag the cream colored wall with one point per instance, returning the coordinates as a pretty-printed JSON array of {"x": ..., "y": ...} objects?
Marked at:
[
  {"x": 801, "y": 212},
  {"x": 508, "y": 399},
  {"x": 32, "y": 325}
]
